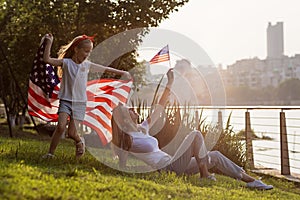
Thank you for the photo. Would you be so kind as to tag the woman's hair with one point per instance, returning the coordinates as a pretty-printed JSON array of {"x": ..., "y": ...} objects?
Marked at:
[
  {"x": 122, "y": 125},
  {"x": 120, "y": 138}
]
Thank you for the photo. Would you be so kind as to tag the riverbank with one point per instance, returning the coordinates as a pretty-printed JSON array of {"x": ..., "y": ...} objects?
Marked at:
[{"x": 294, "y": 177}]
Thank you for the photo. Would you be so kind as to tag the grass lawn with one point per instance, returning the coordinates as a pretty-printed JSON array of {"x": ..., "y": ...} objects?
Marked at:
[{"x": 25, "y": 175}]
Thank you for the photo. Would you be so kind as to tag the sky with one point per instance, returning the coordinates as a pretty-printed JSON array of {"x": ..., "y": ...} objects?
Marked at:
[{"x": 231, "y": 30}]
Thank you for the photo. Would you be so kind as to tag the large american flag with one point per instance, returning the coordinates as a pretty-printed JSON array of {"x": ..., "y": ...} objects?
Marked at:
[
  {"x": 162, "y": 56},
  {"x": 42, "y": 74},
  {"x": 103, "y": 95}
]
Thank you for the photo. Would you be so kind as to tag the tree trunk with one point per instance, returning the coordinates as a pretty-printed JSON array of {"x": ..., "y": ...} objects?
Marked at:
[
  {"x": 12, "y": 119},
  {"x": 21, "y": 120}
]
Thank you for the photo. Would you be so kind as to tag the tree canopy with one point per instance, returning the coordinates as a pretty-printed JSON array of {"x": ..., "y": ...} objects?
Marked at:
[
  {"x": 289, "y": 90},
  {"x": 23, "y": 23}
]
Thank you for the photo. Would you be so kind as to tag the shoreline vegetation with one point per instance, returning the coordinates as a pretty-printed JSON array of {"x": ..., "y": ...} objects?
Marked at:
[{"x": 25, "y": 175}]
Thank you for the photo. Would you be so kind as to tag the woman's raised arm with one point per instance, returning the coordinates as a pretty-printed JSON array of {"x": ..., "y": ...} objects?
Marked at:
[
  {"x": 155, "y": 115},
  {"x": 47, "y": 58}
]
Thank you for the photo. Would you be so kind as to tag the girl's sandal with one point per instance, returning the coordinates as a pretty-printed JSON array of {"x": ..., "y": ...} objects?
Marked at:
[
  {"x": 80, "y": 148},
  {"x": 48, "y": 156}
]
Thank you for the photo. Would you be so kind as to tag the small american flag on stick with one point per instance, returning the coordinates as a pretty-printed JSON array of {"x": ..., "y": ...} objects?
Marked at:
[{"x": 161, "y": 56}]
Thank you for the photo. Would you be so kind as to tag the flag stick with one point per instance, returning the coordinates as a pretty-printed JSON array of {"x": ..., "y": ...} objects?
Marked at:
[
  {"x": 156, "y": 91},
  {"x": 159, "y": 83},
  {"x": 170, "y": 66}
]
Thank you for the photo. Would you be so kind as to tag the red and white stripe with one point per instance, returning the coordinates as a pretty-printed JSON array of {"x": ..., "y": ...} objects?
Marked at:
[
  {"x": 40, "y": 105},
  {"x": 162, "y": 56},
  {"x": 103, "y": 96}
]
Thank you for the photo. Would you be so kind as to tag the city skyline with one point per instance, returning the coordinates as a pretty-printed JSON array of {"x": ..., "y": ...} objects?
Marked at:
[{"x": 232, "y": 30}]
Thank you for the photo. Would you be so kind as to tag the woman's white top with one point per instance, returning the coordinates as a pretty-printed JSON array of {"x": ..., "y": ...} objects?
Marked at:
[
  {"x": 74, "y": 81},
  {"x": 148, "y": 146}
]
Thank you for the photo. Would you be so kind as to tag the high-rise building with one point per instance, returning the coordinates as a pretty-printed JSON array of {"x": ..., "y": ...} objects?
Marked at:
[{"x": 275, "y": 44}]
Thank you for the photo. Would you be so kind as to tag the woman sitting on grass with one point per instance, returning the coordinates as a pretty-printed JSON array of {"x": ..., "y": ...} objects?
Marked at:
[{"x": 190, "y": 158}]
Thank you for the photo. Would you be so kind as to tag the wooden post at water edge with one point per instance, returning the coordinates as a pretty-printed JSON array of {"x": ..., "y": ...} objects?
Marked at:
[
  {"x": 284, "y": 150},
  {"x": 196, "y": 120},
  {"x": 248, "y": 135},
  {"x": 220, "y": 121}
]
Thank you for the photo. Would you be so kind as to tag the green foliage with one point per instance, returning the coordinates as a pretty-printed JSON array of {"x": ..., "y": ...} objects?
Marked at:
[
  {"x": 23, "y": 23},
  {"x": 289, "y": 90},
  {"x": 283, "y": 94},
  {"x": 25, "y": 175}
]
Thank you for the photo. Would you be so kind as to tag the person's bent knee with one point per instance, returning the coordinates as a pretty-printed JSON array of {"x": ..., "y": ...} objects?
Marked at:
[
  {"x": 198, "y": 135},
  {"x": 200, "y": 146},
  {"x": 198, "y": 138}
]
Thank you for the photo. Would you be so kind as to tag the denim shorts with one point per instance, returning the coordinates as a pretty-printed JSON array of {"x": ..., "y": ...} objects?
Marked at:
[{"x": 76, "y": 110}]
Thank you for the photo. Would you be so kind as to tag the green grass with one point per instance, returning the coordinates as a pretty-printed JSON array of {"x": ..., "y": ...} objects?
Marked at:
[{"x": 25, "y": 175}]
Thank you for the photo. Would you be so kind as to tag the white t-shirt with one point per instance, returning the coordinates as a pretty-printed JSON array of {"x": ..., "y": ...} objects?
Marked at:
[
  {"x": 74, "y": 80},
  {"x": 149, "y": 144}
]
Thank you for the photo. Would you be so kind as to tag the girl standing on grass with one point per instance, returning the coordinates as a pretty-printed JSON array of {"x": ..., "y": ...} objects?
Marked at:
[{"x": 72, "y": 94}]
